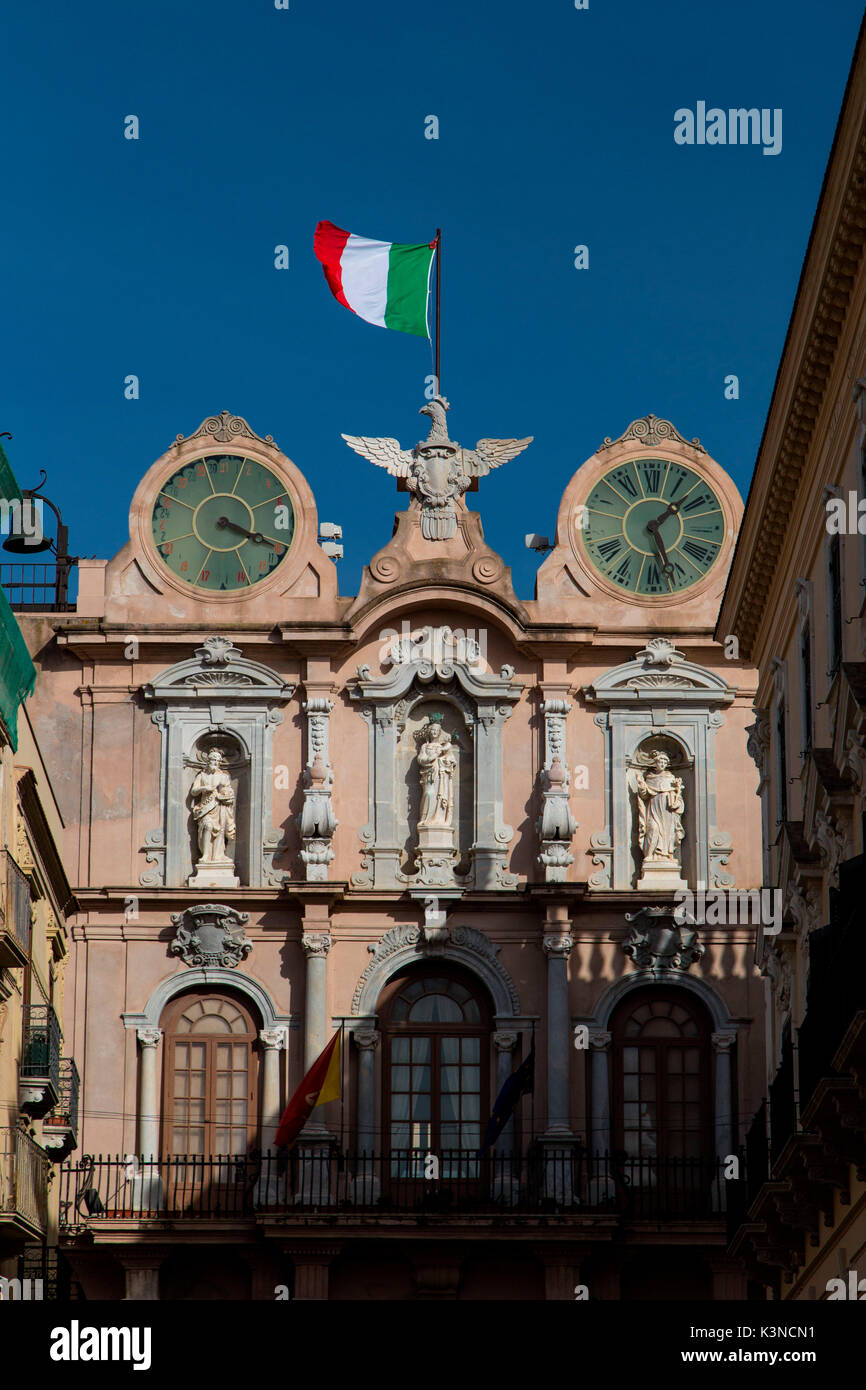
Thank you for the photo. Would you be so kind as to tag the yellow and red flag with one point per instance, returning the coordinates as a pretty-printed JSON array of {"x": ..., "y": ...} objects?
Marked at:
[{"x": 321, "y": 1084}]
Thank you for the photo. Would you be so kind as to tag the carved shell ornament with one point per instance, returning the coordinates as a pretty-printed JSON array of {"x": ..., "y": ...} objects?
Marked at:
[{"x": 437, "y": 471}]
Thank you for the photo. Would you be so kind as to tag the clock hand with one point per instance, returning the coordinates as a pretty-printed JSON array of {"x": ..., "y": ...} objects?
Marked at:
[
  {"x": 654, "y": 528},
  {"x": 671, "y": 510},
  {"x": 257, "y": 536}
]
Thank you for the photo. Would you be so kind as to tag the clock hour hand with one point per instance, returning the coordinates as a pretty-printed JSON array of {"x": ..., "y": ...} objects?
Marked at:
[
  {"x": 653, "y": 528},
  {"x": 257, "y": 536}
]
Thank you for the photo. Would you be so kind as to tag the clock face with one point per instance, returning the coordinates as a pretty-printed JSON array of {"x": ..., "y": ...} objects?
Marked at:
[
  {"x": 652, "y": 526},
  {"x": 223, "y": 522}
]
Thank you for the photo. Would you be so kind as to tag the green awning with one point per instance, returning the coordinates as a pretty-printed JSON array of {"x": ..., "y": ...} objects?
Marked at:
[
  {"x": 8, "y": 482},
  {"x": 17, "y": 672}
]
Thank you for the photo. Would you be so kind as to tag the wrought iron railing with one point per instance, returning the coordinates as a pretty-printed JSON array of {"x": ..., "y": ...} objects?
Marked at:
[
  {"x": 18, "y": 903},
  {"x": 42, "y": 1038},
  {"x": 37, "y": 587},
  {"x": 564, "y": 1181},
  {"x": 24, "y": 1169},
  {"x": 65, "y": 1112}
]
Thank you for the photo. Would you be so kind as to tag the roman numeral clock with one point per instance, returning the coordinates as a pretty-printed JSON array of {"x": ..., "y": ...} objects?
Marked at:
[
  {"x": 651, "y": 521},
  {"x": 653, "y": 526},
  {"x": 223, "y": 518}
]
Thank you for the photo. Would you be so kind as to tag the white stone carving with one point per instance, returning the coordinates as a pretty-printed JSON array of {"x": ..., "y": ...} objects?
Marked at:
[
  {"x": 833, "y": 843},
  {"x": 213, "y": 801},
  {"x": 437, "y": 471},
  {"x": 660, "y": 806},
  {"x": 657, "y": 941},
  {"x": 317, "y": 822},
  {"x": 855, "y": 758},
  {"x": 556, "y": 825}
]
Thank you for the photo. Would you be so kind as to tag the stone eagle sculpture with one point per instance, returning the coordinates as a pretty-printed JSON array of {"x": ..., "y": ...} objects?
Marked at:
[{"x": 437, "y": 471}]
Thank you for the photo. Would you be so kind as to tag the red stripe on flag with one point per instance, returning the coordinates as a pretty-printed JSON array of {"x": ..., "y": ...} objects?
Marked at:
[
  {"x": 303, "y": 1102},
  {"x": 328, "y": 244}
]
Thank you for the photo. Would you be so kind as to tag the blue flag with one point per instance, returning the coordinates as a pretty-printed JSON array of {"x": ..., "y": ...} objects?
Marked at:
[{"x": 520, "y": 1083}]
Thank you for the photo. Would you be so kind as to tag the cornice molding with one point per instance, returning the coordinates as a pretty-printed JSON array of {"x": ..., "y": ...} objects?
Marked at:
[{"x": 832, "y": 264}]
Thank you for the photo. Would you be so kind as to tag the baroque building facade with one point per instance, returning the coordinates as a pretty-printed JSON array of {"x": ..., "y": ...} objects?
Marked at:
[
  {"x": 455, "y": 824},
  {"x": 39, "y": 1081},
  {"x": 795, "y": 601}
]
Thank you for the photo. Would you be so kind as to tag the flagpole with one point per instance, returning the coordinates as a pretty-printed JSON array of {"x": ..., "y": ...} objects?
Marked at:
[{"x": 438, "y": 309}]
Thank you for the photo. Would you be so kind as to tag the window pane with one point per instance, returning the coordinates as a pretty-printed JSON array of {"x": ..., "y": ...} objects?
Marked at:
[
  {"x": 469, "y": 1108},
  {"x": 451, "y": 1049},
  {"x": 436, "y": 1008},
  {"x": 421, "y": 1049},
  {"x": 400, "y": 1078},
  {"x": 421, "y": 1108},
  {"x": 420, "y": 1078},
  {"x": 400, "y": 1049},
  {"x": 471, "y": 1078},
  {"x": 472, "y": 1049},
  {"x": 448, "y": 1107}
]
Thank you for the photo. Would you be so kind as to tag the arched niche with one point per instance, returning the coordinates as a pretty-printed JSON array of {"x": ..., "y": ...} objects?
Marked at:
[
  {"x": 682, "y": 764},
  {"x": 419, "y": 713},
  {"x": 216, "y": 698},
  {"x": 484, "y": 701}
]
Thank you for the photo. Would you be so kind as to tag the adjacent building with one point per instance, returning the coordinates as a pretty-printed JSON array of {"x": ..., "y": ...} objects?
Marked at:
[
  {"x": 38, "y": 1077},
  {"x": 795, "y": 601}
]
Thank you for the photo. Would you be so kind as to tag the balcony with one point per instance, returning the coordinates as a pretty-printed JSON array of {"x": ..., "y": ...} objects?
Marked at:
[
  {"x": 39, "y": 1074},
  {"x": 15, "y": 925},
  {"x": 23, "y": 1186},
  {"x": 346, "y": 1186},
  {"x": 60, "y": 1128},
  {"x": 38, "y": 587}
]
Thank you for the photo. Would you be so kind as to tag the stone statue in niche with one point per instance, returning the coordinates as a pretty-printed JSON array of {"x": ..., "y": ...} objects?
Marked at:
[
  {"x": 213, "y": 811},
  {"x": 658, "y": 799},
  {"x": 437, "y": 769},
  {"x": 437, "y": 764}
]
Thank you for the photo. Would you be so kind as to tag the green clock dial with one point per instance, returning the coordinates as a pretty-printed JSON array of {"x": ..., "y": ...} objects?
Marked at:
[
  {"x": 223, "y": 522},
  {"x": 652, "y": 526}
]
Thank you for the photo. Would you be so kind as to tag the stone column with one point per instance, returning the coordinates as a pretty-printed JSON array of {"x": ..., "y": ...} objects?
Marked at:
[
  {"x": 148, "y": 1093},
  {"x": 724, "y": 1133},
  {"x": 558, "y": 1139},
  {"x": 599, "y": 1183},
  {"x": 368, "y": 1174},
  {"x": 142, "y": 1275},
  {"x": 316, "y": 946},
  {"x": 146, "y": 1188},
  {"x": 366, "y": 1041},
  {"x": 504, "y": 1184},
  {"x": 311, "y": 1271},
  {"x": 273, "y": 1040},
  {"x": 557, "y": 947}
]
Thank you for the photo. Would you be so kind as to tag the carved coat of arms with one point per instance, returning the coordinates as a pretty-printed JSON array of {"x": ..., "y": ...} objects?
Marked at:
[{"x": 437, "y": 471}]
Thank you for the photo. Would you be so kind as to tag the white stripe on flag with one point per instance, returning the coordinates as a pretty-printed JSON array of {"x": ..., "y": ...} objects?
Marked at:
[{"x": 364, "y": 272}]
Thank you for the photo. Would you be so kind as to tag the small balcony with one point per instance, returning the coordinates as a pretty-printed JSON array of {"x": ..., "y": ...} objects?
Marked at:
[
  {"x": 60, "y": 1128},
  {"x": 38, "y": 588},
  {"x": 24, "y": 1171},
  {"x": 39, "y": 1075},
  {"x": 15, "y": 923},
  {"x": 280, "y": 1189}
]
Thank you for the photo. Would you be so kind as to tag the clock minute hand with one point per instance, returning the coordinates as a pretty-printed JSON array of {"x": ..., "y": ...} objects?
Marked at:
[{"x": 257, "y": 536}]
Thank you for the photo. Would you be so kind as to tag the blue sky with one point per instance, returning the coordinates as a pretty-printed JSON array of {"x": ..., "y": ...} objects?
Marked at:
[{"x": 156, "y": 257}]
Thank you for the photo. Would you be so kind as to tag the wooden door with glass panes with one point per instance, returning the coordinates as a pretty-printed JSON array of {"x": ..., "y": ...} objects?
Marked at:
[
  {"x": 437, "y": 1040},
  {"x": 209, "y": 1101},
  {"x": 662, "y": 1133}
]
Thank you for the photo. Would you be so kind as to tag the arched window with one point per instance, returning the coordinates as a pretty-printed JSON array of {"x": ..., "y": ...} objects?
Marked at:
[
  {"x": 210, "y": 1083},
  {"x": 437, "y": 1041},
  {"x": 662, "y": 1090}
]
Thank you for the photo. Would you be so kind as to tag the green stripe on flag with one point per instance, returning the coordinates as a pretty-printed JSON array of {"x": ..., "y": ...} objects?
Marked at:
[
  {"x": 408, "y": 282},
  {"x": 8, "y": 482}
]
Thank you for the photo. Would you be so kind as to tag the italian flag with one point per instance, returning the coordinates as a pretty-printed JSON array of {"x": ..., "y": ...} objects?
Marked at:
[
  {"x": 321, "y": 1084},
  {"x": 383, "y": 282}
]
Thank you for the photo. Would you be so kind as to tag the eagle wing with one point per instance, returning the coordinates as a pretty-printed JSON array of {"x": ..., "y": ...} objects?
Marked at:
[
  {"x": 492, "y": 453},
  {"x": 385, "y": 453}
]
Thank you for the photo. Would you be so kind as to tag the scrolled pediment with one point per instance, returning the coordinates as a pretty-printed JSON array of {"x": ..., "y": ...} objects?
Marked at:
[
  {"x": 660, "y": 671},
  {"x": 218, "y": 665}
]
